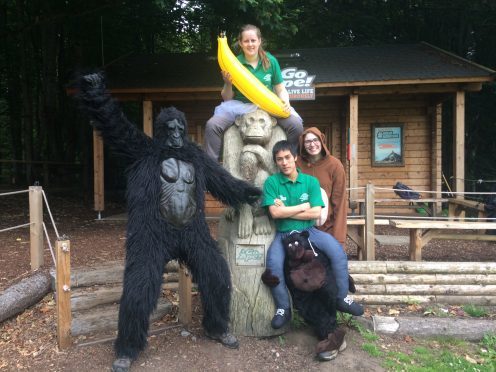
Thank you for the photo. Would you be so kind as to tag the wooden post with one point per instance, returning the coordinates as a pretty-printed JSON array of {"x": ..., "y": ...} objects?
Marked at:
[
  {"x": 353, "y": 144},
  {"x": 459, "y": 143},
  {"x": 36, "y": 227},
  {"x": 148, "y": 118},
  {"x": 185, "y": 312},
  {"x": 63, "y": 293},
  {"x": 369, "y": 249},
  {"x": 98, "y": 172},
  {"x": 415, "y": 244}
]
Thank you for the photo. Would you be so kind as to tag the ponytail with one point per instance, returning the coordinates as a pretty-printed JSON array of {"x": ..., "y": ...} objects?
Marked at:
[{"x": 262, "y": 54}]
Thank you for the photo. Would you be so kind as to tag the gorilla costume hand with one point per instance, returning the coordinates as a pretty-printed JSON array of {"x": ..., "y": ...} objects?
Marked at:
[
  {"x": 91, "y": 86},
  {"x": 252, "y": 194}
]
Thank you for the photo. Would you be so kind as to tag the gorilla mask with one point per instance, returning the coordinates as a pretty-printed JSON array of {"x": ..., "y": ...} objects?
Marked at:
[{"x": 170, "y": 127}]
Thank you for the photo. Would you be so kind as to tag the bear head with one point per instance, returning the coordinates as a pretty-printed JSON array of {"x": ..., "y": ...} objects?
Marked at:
[{"x": 295, "y": 244}]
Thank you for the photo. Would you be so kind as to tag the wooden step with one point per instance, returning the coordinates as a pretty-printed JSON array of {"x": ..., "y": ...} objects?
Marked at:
[
  {"x": 105, "y": 318},
  {"x": 89, "y": 297}
]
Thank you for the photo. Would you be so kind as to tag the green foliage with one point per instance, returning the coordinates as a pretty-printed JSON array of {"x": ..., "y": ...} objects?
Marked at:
[
  {"x": 475, "y": 311},
  {"x": 372, "y": 349},
  {"x": 297, "y": 322},
  {"x": 282, "y": 340}
]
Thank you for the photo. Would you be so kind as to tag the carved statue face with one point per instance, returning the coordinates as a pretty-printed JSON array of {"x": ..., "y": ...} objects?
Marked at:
[{"x": 256, "y": 127}]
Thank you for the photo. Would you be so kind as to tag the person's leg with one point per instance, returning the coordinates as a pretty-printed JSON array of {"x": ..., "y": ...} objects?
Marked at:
[
  {"x": 339, "y": 264},
  {"x": 214, "y": 129},
  {"x": 210, "y": 270},
  {"x": 275, "y": 263},
  {"x": 293, "y": 126}
]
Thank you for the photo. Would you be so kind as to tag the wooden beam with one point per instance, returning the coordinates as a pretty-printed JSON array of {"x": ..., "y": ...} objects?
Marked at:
[
  {"x": 148, "y": 118},
  {"x": 185, "y": 310},
  {"x": 63, "y": 294},
  {"x": 353, "y": 145},
  {"x": 36, "y": 227},
  {"x": 98, "y": 169},
  {"x": 369, "y": 223},
  {"x": 459, "y": 142}
]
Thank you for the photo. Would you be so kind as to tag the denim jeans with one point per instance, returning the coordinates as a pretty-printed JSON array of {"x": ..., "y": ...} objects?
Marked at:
[{"x": 327, "y": 244}]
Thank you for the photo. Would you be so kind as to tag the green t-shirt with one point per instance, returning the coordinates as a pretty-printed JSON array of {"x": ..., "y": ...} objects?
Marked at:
[
  {"x": 306, "y": 188},
  {"x": 270, "y": 77}
]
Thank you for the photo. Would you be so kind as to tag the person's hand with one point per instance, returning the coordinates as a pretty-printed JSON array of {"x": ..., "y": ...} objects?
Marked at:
[
  {"x": 305, "y": 206},
  {"x": 278, "y": 203},
  {"x": 91, "y": 86},
  {"x": 252, "y": 194},
  {"x": 286, "y": 106},
  {"x": 226, "y": 76}
]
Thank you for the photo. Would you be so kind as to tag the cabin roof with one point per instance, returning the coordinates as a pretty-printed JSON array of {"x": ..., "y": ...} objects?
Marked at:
[{"x": 339, "y": 66}]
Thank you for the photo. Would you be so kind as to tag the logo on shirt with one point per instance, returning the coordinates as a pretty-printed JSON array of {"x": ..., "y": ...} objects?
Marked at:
[
  {"x": 282, "y": 197},
  {"x": 304, "y": 197},
  {"x": 267, "y": 77}
]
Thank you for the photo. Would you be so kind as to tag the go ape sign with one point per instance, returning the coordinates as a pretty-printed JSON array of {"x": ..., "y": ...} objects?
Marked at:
[{"x": 298, "y": 84}]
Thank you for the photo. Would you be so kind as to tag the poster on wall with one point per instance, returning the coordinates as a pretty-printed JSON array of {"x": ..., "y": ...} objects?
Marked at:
[{"x": 387, "y": 145}]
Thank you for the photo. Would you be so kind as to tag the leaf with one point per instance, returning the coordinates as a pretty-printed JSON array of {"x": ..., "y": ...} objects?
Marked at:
[
  {"x": 470, "y": 360},
  {"x": 393, "y": 312}
]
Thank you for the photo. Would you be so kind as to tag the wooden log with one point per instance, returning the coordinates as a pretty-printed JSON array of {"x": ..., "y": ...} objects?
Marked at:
[
  {"x": 110, "y": 273},
  {"x": 418, "y": 299},
  {"x": 106, "y": 317},
  {"x": 378, "y": 267},
  {"x": 427, "y": 289},
  {"x": 16, "y": 298},
  {"x": 463, "y": 279}
]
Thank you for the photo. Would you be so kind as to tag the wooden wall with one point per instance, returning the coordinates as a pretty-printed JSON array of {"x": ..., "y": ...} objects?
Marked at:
[{"x": 422, "y": 141}]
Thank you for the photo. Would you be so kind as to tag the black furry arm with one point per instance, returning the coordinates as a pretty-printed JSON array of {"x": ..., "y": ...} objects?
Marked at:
[
  {"x": 226, "y": 188},
  {"x": 107, "y": 116}
]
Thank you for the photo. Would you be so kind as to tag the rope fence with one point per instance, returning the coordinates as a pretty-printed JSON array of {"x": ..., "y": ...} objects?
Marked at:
[{"x": 36, "y": 200}]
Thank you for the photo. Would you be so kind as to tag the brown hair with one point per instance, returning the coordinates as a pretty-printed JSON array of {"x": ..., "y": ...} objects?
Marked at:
[{"x": 261, "y": 52}]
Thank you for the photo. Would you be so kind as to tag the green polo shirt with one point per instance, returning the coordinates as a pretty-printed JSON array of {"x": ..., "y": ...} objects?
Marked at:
[
  {"x": 306, "y": 188},
  {"x": 270, "y": 77}
]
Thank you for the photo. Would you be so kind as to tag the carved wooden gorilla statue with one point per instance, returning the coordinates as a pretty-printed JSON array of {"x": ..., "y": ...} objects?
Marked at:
[{"x": 166, "y": 183}]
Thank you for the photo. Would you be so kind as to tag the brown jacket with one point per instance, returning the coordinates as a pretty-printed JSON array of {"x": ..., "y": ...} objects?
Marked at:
[{"x": 330, "y": 173}]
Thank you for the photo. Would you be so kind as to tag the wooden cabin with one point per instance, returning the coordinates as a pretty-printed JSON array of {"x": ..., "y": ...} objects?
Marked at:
[{"x": 379, "y": 106}]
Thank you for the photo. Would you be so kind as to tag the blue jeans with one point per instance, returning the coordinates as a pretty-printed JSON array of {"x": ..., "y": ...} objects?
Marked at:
[{"x": 327, "y": 244}]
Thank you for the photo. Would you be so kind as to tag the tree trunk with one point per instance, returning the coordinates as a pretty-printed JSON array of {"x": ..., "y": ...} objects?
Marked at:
[{"x": 20, "y": 296}]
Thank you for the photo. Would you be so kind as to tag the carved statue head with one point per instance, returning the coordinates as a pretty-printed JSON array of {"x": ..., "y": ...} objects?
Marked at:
[{"x": 256, "y": 127}]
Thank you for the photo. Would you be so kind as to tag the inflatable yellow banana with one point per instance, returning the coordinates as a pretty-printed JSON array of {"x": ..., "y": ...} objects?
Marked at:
[{"x": 247, "y": 83}]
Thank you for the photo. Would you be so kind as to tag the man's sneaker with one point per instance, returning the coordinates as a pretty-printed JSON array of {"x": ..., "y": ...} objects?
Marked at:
[
  {"x": 281, "y": 317},
  {"x": 227, "y": 339},
  {"x": 349, "y": 306},
  {"x": 326, "y": 356}
]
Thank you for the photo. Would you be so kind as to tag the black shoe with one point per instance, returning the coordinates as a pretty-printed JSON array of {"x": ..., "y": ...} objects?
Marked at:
[
  {"x": 227, "y": 339},
  {"x": 281, "y": 317},
  {"x": 121, "y": 364},
  {"x": 347, "y": 305}
]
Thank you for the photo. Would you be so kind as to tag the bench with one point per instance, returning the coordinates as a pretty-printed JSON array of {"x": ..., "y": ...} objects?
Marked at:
[
  {"x": 356, "y": 232},
  {"x": 457, "y": 206},
  {"x": 403, "y": 203},
  {"x": 421, "y": 232}
]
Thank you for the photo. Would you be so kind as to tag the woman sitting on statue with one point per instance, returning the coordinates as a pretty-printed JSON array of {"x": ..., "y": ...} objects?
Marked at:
[{"x": 266, "y": 68}]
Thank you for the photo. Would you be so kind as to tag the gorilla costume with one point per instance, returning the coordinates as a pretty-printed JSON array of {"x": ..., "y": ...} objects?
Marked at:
[{"x": 166, "y": 182}]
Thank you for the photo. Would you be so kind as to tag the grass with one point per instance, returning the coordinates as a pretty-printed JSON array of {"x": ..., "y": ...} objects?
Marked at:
[
  {"x": 474, "y": 311},
  {"x": 440, "y": 354}
]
